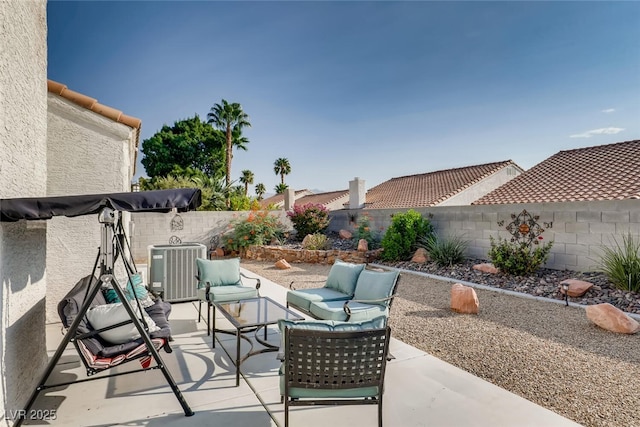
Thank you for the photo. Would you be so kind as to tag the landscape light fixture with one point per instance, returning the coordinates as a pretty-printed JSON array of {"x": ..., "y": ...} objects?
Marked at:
[{"x": 565, "y": 288}]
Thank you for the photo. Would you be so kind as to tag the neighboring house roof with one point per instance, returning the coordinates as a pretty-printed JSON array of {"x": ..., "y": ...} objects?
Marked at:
[
  {"x": 93, "y": 105},
  {"x": 429, "y": 189},
  {"x": 278, "y": 199},
  {"x": 323, "y": 199},
  {"x": 604, "y": 172}
]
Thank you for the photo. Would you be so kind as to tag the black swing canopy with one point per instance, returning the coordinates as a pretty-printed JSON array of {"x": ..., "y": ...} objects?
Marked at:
[{"x": 34, "y": 208}]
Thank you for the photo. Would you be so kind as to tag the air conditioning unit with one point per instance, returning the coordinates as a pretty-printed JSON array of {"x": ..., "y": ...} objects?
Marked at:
[{"x": 172, "y": 270}]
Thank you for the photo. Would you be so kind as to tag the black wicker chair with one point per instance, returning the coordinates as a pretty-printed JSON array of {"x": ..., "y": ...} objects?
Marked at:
[{"x": 334, "y": 368}]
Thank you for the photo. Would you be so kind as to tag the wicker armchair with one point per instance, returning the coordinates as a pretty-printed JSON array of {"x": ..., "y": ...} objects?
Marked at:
[{"x": 334, "y": 368}]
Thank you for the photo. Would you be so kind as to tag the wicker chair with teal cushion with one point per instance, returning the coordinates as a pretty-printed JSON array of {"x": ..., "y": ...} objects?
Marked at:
[
  {"x": 373, "y": 296},
  {"x": 333, "y": 363},
  {"x": 220, "y": 281},
  {"x": 340, "y": 286}
]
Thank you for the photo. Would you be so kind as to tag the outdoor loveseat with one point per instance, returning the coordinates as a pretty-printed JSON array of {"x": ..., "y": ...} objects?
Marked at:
[{"x": 352, "y": 292}]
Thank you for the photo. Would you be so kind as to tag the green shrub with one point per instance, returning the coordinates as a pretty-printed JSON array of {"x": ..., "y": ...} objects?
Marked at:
[
  {"x": 621, "y": 263},
  {"x": 364, "y": 232},
  {"x": 402, "y": 235},
  {"x": 309, "y": 219},
  {"x": 315, "y": 242},
  {"x": 258, "y": 228},
  {"x": 445, "y": 251},
  {"x": 518, "y": 258}
]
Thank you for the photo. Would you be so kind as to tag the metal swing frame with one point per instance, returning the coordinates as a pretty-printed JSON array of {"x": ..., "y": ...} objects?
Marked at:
[{"x": 112, "y": 246}]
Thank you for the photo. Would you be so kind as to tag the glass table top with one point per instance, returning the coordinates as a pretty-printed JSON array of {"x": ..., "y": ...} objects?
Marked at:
[{"x": 256, "y": 312}]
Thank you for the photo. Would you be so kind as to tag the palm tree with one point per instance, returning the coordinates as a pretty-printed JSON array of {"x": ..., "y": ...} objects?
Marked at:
[
  {"x": 246, "y": 178},
  {"x": 230, "y": 118},
  {"x": 260, "y": 190},
  {"x": 282, "y": 167},
  {"x": 280, "y": 188}
]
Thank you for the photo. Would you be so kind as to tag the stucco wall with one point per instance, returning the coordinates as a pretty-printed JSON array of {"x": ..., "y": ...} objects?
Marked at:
[
  {"x": 483, "y": 187},
  {"x": 23, "y": 133},
  {"x": 86, "y": 154},
  {"x": 578, "y": 229}
]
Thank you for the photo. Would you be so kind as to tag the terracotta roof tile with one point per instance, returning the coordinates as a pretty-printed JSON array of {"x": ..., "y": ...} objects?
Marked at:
[
  {"x": 322, "y": 198},
  {"x": 604, "y": 172},
  {"x": 278, "y": 199},
  {"x": 428, "y": 189}
]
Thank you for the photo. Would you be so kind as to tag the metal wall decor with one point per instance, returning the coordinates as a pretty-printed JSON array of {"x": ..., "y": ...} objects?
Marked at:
[
  {"x": 177, "y": 223},
  {"x": 525, "y": 228},
  {"x": 175, "y": 240}
]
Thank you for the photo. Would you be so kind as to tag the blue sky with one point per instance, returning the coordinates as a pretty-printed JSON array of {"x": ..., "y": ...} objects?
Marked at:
[{"x": 369, "y": 89}]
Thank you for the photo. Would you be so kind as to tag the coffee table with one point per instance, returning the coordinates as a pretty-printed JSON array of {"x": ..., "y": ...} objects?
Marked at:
[{"x": 251, "y": 315}]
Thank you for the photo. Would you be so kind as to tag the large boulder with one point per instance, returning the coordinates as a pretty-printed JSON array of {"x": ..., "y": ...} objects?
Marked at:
[
  {"x": 420, "y": 256},
  {"x": 577, "y": 288},
  {"x": 345, "y": 234},
  {"x": 612, "y": 319},
  {"x": 464, "y": 299},
  {"x": 363, "y": 245}
]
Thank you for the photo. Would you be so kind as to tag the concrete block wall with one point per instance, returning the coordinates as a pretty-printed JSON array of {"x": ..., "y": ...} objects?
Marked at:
[
  {"x": 578, "y": 229},
  {"x": 200, "y": 227}
]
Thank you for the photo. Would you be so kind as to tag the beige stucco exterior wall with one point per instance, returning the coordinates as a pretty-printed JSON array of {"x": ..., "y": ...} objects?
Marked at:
[
  {"x": 86, "y": 154},
  {"x": 479, "y": 189},
  {"x": 23, "y": 138}
]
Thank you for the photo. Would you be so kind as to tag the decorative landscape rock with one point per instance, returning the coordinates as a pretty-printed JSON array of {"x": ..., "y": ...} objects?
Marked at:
[
  {"x": 363, "y": 245},
  {"x": 577, "y": 288},
  {"x": 420, "y": 256},
  {"x": 612, "y": 319},
  {"x": 345, "y": 234},
  {"x": 486, "y": 268},
  {"x": 217, "y": 252},
  {"x": 282, "y": 264},
  {"x": 464, "y": 299}
]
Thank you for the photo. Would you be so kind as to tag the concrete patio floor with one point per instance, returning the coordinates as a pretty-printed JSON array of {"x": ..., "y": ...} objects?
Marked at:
[{"x": 420, "y": 390}]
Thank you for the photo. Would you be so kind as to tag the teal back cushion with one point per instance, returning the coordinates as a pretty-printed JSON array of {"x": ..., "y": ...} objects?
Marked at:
[
  {"x": 134, "y": 286},
  {"x": 373, "y": 285},
  {"x": 344, "y": 276},
  {"x": 218, "y": 272}
]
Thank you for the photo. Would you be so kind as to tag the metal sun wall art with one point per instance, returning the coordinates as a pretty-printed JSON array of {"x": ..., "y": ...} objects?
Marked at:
[
  {"x": 524, "y": 228},
  {"x": 177, "y": 223}
]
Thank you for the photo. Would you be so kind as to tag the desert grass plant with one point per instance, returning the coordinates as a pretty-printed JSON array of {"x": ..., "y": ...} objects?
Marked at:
[
  {"x": 402, "y": 236},
  {"x": 445, "y": 251},
  {"x": 621, "y": 263},
  {"x": 315, "y": 242},
  {"x": 518, "y": 258}
]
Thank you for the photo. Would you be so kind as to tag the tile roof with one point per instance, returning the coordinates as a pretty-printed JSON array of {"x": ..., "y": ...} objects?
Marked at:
[
  {"x": 278, "y": 199},
  {"x": 604, "y": 172},
  {"x": 322, "y": 198},
  {"x": 429, "y": 189}
]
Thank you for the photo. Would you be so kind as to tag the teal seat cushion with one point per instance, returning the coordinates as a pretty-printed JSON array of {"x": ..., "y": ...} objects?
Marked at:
[
  {"x": 343, "y": 276},
  {"x": 218, "y": 272},
  {"x": 346, "y": 393},
  {"x": 375, "y": 285},
  {"x": 228, "y": 293},
  {"x": 333, "y": 310},
  {"x": 303, "y": 298}
]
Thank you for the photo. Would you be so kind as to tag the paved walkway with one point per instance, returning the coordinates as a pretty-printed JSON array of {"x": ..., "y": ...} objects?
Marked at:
[{"x": 420, "y": 390}]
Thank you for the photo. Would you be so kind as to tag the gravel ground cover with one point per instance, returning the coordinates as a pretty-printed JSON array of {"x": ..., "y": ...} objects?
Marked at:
[{"x": 545, "y": 352}]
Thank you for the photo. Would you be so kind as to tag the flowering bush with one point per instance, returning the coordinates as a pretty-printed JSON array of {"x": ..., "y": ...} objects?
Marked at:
[
  {"x": 364, "y": 232},
  {"x": 258, "y": 228},
  {"x": 309, "y": 219}
]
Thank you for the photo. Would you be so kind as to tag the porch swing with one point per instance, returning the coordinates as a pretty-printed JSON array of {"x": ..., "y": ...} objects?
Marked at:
[{"x": 140, "y": 327}]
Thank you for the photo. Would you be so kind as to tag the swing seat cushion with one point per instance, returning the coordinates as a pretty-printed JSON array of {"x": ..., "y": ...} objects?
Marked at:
[{"x": 103, "y": 316}]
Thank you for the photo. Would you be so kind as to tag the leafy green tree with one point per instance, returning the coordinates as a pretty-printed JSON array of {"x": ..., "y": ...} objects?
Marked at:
[
  {"x": 188, "y": 144},
  {"x": 214, "y": 192},
  {"x": 282, "y": 167},
  {"x": 246, "y": 178},
  {"x": 280, "y": 188},
  {"x": 230, "y": 119},
  {"x": 260, "y": 190}
]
